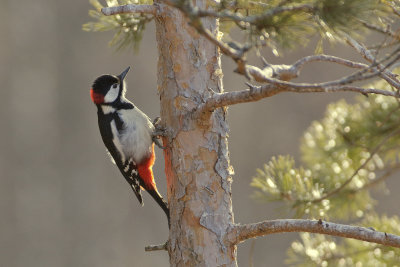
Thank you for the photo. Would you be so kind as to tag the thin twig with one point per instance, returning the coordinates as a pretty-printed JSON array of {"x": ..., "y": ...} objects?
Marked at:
[
  {"x": 363, "y": 51},
  {"x": 289, "y": 72},
  {"x": 328, "y": 58},
  {"x": 395, "y": 10},
  {"x": 146, "y": 9},
  {"x": 240, "y": 233},
  {"x": 380, "y": 30},
  {"x": 381, "y": 179},
  {"x": 255, "y": 19},
  {"x": 285, "y": 73}
]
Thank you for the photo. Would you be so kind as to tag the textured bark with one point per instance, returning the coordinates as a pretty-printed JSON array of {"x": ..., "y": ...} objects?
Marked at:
[{"x": 196, "y": 160}]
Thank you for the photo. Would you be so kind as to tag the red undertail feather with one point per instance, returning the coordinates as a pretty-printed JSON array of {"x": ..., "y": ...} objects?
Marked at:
[{"x": 145, "y": 169}]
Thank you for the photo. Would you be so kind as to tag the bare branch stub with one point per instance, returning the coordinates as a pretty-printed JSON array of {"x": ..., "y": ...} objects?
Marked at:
[
  {"x": 157, "y": 247},
  {"x": 240, "y": 233}
]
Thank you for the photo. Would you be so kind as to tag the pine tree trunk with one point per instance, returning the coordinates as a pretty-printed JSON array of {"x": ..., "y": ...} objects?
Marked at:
[{"x": 197, "y": 158}]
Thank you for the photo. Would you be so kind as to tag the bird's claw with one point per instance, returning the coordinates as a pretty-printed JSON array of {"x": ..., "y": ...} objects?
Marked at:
[
  {"x": 157, "y": 120},
  {"x": 157, "y": 142},
  {"x": 159, "y": 129}
]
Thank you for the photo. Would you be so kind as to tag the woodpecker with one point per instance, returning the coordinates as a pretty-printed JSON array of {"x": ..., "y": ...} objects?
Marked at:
[{"x": 128, "y": 135}]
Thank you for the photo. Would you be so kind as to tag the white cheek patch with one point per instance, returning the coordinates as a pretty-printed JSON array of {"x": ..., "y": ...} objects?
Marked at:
[{"x": 111, "y": 95}]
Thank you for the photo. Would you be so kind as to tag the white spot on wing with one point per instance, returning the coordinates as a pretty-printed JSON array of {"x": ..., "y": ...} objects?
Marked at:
[{"x": 126, "y": 168}]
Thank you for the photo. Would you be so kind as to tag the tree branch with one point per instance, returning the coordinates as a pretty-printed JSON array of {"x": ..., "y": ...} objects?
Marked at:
[
  {"x": 256, "y": 93},
  {"x": 276, "y": 86},
  {"x": 254, "y": 19},
  {"x": 240, "y": 233},
  {"x": 230, "y": 98},
  {"x": 147, "y": 9},
  {"x": 388, "y": 76},
  {"x": 395, "y": 10},
  {"x": 288, "y": 72},
  {"x": 328, "y": 58},
  {"x": 376, "y": 28}
]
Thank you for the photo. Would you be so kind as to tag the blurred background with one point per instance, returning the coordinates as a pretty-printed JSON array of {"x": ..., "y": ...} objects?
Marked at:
[{"x": 62, "y": 202}]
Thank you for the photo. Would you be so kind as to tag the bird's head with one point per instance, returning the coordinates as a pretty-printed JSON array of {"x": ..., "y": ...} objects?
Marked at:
[{"x": 108, "y": 89}]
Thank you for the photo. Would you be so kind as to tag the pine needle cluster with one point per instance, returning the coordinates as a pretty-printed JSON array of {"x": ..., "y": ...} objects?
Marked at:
[
  {"x": 278, "y": 24},
  {"x": 128, "y": 28},
  {"x": 352, "y": 150}
]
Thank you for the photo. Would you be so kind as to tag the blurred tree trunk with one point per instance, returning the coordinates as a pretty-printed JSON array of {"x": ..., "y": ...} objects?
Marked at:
[{"x": 196, "y": 160}]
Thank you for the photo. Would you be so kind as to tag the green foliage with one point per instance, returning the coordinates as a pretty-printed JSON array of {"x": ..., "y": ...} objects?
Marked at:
[
  {"x": 278, "y": 24},
  {"x": 322, "y": 250},
  {"x": 128, "y": 27},
  {"x": 280, "y": 180},
  {"x": 351, "y": 144},
  {"x": 286, "y": 30},
  {"x": 329, "y": 19},
  {"x": 347, "y": 15},
  {"x": 345, "y": 154}
]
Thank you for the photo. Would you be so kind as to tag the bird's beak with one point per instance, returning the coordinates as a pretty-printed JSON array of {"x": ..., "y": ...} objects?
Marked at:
[{"x": 123, "y": 74}]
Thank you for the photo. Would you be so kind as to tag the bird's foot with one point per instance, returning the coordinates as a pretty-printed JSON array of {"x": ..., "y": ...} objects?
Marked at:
[{"x": 158, "y": 131}]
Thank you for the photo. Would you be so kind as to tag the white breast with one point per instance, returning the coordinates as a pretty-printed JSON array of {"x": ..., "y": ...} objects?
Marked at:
[{"x": 136, "y": 139}]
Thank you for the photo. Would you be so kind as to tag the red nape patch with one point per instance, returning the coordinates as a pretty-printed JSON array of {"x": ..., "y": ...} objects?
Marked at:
[
  {"x": 145, "y": 169},
  {"x": 96, "y": 98}
]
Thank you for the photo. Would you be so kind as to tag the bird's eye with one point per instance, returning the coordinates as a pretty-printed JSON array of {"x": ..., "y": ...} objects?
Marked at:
[{"x": 115, "y": 85}]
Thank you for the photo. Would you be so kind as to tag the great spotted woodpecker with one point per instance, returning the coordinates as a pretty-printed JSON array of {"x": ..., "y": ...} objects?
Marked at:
[{"x": 128, "y": 135}]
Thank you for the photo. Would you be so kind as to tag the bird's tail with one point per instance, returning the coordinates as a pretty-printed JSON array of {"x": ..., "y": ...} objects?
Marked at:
[
  {"x": 160, "y": 201},
  {"x": 138, "y": 193},
  {"x": 129, "y": 172}
]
